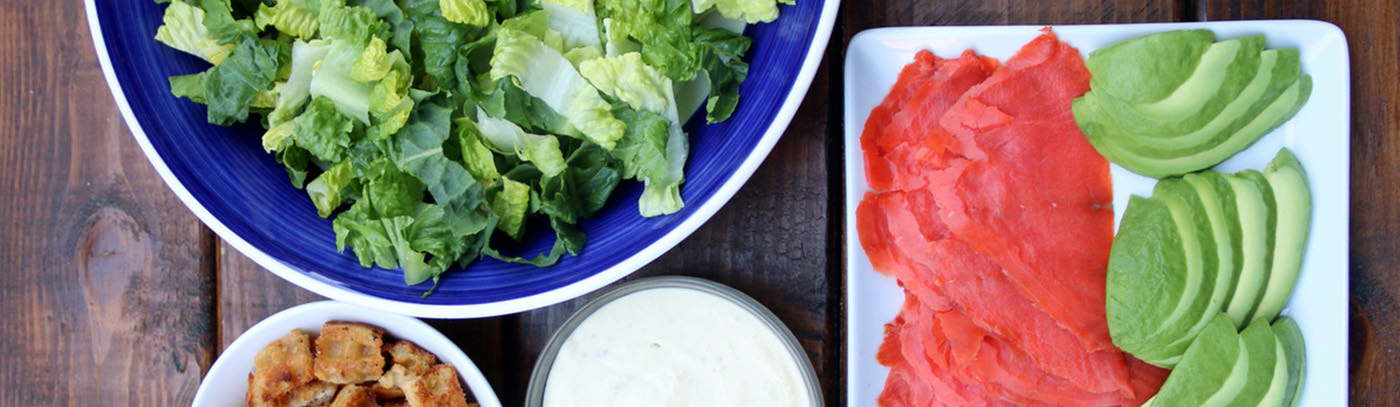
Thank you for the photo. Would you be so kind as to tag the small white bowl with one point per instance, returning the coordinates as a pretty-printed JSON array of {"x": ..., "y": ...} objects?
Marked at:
[{"x": 226, "y": 384}]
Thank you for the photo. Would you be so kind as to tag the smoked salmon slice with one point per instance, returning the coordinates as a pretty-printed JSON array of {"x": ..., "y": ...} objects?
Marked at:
[{"x": 994, "y": 213}]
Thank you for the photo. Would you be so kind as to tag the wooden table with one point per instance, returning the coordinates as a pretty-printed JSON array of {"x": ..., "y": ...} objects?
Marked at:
[{"x": 114, "y": 294}]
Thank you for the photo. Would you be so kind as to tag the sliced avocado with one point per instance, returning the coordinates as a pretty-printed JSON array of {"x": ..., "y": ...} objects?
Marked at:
[
  {"x": 1208, "y": 368},
  {"x": 1225, "y": 69},
  {"x": 1255, "y": 205},
  {"x": 1295, "y": 350},
  {"x": 1219, "y": 200},
  {"x": 1148, "y": 274},
  {"x": 1279, "y": 96},
  {"x": 1264, "y": 359},
  {"x": 1278, "y": 387},
  {"x": 1294, "y": 203},
  {"x": 1194, "y": 309},
  {"x": 1148, "y": 68}
]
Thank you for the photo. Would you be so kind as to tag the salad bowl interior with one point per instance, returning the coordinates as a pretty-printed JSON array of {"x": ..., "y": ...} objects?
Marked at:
[{"x": 243, "y": 194}]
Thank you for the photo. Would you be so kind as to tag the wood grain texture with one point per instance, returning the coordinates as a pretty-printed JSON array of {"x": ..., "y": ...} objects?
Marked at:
[
  {"x": 1370, "y": 27},
  {"x": 113, "y": 294},
  {"x": 107, "y": 290},
  {"x": 888, "y": 13},
  {"x": 248, "y": 294}
]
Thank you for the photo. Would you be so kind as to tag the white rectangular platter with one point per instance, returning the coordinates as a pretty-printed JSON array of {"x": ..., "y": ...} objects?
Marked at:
[{"x": 1319, "y": 134}]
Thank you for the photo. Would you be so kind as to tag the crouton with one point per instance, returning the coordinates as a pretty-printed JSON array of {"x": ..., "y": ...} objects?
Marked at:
[
  {"x": 413, "y": 358},
  {"x": 354, "y": 396},
  {"x": 439, "y": 387},
  {"x": 349, "y": 352},
  {"x": 314, "y": 394},
  {"x": 388, "y": 385},
  {"x": 279, "y": 368}
]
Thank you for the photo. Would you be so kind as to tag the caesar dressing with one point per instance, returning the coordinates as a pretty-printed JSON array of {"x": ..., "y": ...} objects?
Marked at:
[{"x": 675, "y": 346}]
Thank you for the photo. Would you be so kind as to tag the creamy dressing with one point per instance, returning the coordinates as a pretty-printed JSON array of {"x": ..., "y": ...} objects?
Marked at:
[{"x": 674, "y": 347}]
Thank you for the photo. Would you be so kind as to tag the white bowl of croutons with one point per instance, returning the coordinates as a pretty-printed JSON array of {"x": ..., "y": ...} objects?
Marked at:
[{"x": 335, "y": 354}]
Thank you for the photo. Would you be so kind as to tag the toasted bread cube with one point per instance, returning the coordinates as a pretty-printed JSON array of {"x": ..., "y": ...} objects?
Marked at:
[
  {"x": 348, "y": 352},
  {"x": 314, "y": 394},
  {"x": 416, "y": 360},
  {"x": 439, "y": 387},
  {"x": 355, "y": 396},
  {"x": 280, "y": 367},
  {"x": 388, "y": 386},
  {"x": 399, "y": 402}
]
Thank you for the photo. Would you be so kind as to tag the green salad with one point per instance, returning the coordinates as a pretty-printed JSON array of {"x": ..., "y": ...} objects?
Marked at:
[{"x": 432, "y": 131}]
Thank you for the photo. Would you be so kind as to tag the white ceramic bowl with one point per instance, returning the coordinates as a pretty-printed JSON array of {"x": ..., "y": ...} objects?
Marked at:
[{"x": 226, "y": 384}]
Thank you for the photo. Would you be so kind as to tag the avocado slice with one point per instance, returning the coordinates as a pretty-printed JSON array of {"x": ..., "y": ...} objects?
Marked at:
[
  {"x": 1194, "y": 309},
  {"x": 1225, "y": 69},
  {"x": 1148, "y": 68},
  {"x": 1294, "y": 204},
  {"x": 1148, "y": 278},
  {"x": 1264, "y": 359},
  {"x": 1278, "y": 387},
  {"x": 1270, "y": 99},
  {"x": 1295, "y": 350},
  {"x": 1254, "y": 203},
  {"x": 1218, "y": 197},
  {"x": 1213, "y": 370}
]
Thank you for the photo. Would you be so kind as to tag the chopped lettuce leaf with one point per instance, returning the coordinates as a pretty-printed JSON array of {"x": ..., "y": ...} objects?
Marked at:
[
  {"x": 655, "y": 157},
  {"x": 393, "y": 192},
  {"x": 663, "y": 30},
  {"x": 576, "y": 56},
  {"x": 575, "y": 21},
  {"x": 470, "y": 12},
  {"x": 332, "y": 80},
  {"x": 510, "y": 205},
  {"x": 267, "y": 99},
  {"x": 505, "y": 137},
  {"x": 322, "y": 131},
  {"x": 297, "y": 90},
  {"x": 331, "y": 188},
  {"x": 477, "y": 158},
  {"x": 420, "y": 152},
  {"x": 751, "y": 11},
  {"x": 188, "y": 86},
  {"x": 390, "y": 13},
  {"x": 438, "y": 39},
  {"x": 183, "y": 29},
  {"x": 353, "y": 24},
  {"x": 618, "y": 42},
  {"x": 546, "y": 74},
  {"x": 231, "y": 86},
  {"x": 630, "y": 80},
  {"x": 723, "y": 68},
  {"x": 278, "y": 137},
  {"x": 358, "y": 228},
  {"x": 288, "y": 17},
  {"x": 581, "y": 189},
  {"x": 373, "y": 62}
]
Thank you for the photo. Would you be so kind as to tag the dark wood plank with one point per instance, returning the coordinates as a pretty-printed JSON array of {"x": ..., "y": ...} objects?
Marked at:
[
  {"x": 107, "y": 291},
  {"x": 1370, "y": 26},
  {"x": 887, "y": 13},
  {"x": 770, "y": 242},
  {"x": 248, "y": 294}
]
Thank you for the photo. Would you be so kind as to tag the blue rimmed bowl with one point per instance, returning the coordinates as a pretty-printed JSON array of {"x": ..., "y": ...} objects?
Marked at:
[{"x": 243, "y": 195}]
